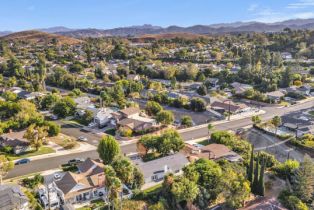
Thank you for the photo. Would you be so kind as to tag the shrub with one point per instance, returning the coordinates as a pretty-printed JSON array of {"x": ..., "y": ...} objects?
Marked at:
[
  {"x": 33, "y": 182},
  {"x": 125, "y": 132},
  {"x": 290, "y": 201},
  {"x": 7, "y": 149},
  {"x": 53, "y": 128},
  {"x": 286, "y": 169}
]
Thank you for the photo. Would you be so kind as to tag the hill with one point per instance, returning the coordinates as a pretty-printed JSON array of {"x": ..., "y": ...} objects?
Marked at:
[
  {"x": 135, "y": 31},
  {"x": 148, "y": 37},
  {"x": 39, "y": 37}
]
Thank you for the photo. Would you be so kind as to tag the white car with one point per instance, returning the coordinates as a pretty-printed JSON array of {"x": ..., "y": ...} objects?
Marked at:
[{"x": 82, "y": 138}]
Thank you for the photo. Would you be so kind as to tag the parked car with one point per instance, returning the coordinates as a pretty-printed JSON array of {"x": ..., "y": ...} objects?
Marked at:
[
  {"x": 82, "y": 138},
  {"x": 54, "y": 117},
  {"x": 22, "y": 161},
  {"x": 75, "y": 161}
]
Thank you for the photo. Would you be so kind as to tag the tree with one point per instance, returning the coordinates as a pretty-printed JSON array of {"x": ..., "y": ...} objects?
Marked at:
[
  {"x": 255, "y": 179},
  {"x": 113, "y": 185},
  {"x": 108, "y": 148},
  {"x": 208, "y": 175},
  {"x": 261, "y": 185},
  {"x": 184, "y": 190},
  {"x": 256, "y": 119},
  {"x": 148, "y": 142},
  {"x": 276, "y": 121},
  {"x": 53, "y": 128},
  {"x": 251, "y": 167},
  {"x": 76, "y": 67},
  {"x": 169, "y": 141},
  {"x": 65, "y": 107},
  {"x": 287, "y": 169},
  {"x": 202, "y": 90},
  {"x": 36, "y": 135},
  {"x": 49, "y": 101},
  {"x": 152, "y": 108},
  {"x": 236, "y": 189},
  {"x": 186, "y": 121},
  {"x": 165, "y": 117},
  {"x": 27, "y": 114},
  {"x": 5, "y": 166},
  {"x": 87, "y": 117},
  {"x": 197, "y": 105},
  {"x": 123, "y": 168},
  {"x": 138, "y": 179},
  {"x": 303, "y": 184}
]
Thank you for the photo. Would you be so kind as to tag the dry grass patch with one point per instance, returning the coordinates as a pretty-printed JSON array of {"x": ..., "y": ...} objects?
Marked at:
[{"x": 64, "y": 141}]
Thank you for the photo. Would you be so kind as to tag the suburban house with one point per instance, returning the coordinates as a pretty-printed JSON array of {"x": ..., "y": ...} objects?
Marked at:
[
  {"x": 11, "y": 197},
  {"x": 48, "y": 196},
  {"x": 131, "y": 118},
  {"x": 16, "y": 141},
  {"x": 212, "y": 152},
  {"x": 240, "y": 88},
  {"x": 146, "y": 94},
  {"x": 275, "y": 96},
  {"x": 155, "y": 170},
  {"x": 86, "y": 185},
  {"x": 134, "y": 77},
  {"x": 298, "y": 124},
  {"x": 304, "y": 90},
  {"x": 213, "y": 82},
  {"x": 228, "y": 105},
  {"x": 83, "y": 103},
  {"x": 235, "y": 69},
  {"x": 286, "y": 55},
  {"x": 103, "y": 116}
]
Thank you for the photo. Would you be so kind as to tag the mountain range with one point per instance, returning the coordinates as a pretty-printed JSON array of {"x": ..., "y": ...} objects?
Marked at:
[{"x": 196, "y": 29}]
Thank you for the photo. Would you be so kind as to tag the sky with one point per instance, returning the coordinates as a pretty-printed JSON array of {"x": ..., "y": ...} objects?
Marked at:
[{"x": 17, "y": 15}]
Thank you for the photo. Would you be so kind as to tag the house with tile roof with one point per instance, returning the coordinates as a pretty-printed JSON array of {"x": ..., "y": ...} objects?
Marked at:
[{"x": 84, "y": 186}]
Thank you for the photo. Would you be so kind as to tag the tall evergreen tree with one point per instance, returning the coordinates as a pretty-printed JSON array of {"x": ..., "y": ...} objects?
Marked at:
[
  {"x": 255, "y": 180},
  {"x": 251, "y": 167},
  {"x": 261, "y": 185}
]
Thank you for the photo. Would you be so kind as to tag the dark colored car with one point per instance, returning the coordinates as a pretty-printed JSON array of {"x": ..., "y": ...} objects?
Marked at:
[
  {"x": 22, "y": 161},
  {"x": 75, "y": 161}
]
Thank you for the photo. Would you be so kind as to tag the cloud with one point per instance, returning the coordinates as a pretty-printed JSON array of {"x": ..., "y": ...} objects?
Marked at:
[
  {"x": 252, "y": 7},
  {"x": 301, "y": 4},
  {"x": 304, "y": 15},
  {"x": 268, "y": 15}
]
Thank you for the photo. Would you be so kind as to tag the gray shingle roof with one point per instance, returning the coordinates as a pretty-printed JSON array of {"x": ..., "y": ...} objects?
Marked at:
[
  {"x": 11, "y": 197},
  {"x": 173, "y": 162}
]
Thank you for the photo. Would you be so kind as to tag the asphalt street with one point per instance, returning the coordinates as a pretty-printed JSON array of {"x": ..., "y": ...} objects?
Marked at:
[{"x": 55, "y": 162}]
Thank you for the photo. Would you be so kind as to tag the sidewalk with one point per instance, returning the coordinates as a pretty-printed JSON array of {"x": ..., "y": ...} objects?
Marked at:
[
  {"x": 60, "y": 151},
  {"x": 232, "y": 118}
]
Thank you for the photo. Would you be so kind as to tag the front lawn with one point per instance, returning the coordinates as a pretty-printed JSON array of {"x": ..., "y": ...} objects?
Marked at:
[
  {"x": 41, "y": 151},
  {"x": 204, "y": 142},
  {"x": 64, "y": 141}
]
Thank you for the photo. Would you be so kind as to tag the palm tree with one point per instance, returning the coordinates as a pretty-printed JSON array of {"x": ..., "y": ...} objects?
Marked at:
[{"x": 113, "y": 185}]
